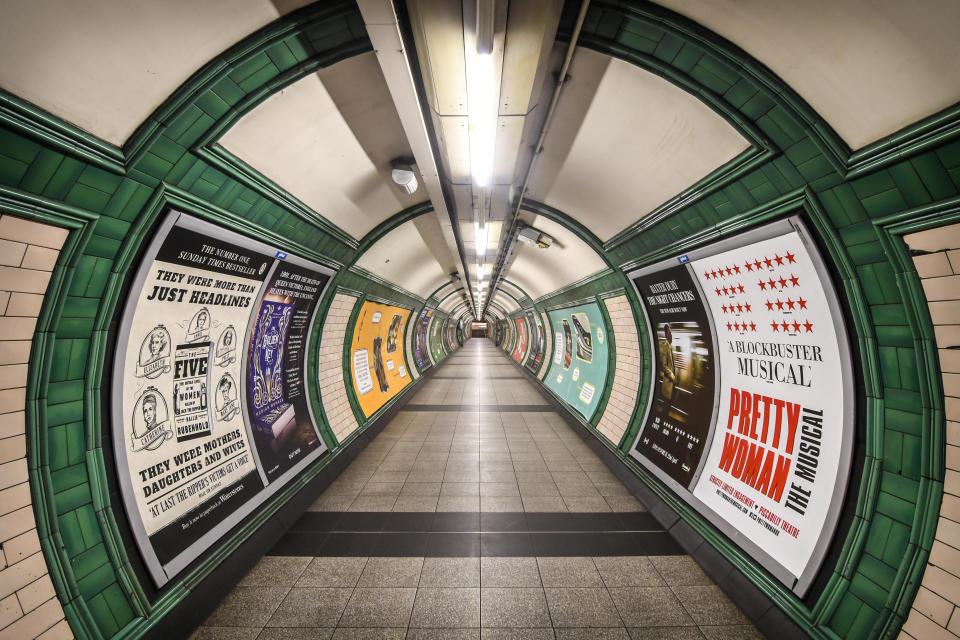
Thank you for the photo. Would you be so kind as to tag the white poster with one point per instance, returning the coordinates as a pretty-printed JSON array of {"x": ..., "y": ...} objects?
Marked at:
[
  {"x": 187, "y": 451},
  {"x": 776, "y": 454},
  {"x": 361, "y": 370}
]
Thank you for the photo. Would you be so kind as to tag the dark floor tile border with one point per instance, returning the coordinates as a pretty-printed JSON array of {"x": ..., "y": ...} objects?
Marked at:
[
  {"x": 478, "y": 377},
  {"x": 482, "y": 408},
  {"x": 474, "y": 544},
  {"x": 476, "y": 522}
]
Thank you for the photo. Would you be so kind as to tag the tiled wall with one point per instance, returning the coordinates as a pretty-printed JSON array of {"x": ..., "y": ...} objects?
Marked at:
[
  {"x": 626, "y": 375},
  {"x": 935, "y": 613},
  {"x": 333, "y": 391},
  {"x": 29, "y": 608}
]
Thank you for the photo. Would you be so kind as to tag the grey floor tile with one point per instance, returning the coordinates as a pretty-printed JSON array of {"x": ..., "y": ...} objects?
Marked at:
[
  {"x": 573, "y": 490},
  {"x": 348, "y": 633},
  {"x": 416, "y": 503},
  {"x": 332, "y": 572},
  {"x": 624, "y": 504},
  {"x": 373, "y": 503},
  {"x": 247, "y": 607},
  {"x": 597, "y": 633},
  {"x": 296, "y": 633},
  {"x": 509, "y": 572},
  {"x": 420, "y": 489},
  {"x": 501, "y": 504},
  {"x": 732, "y": 632},
  {"x": 649, "y": 606},
  {"x": 385, "y": 607},
  {"x": 708, "y": 605},
  {"x": 332, "y": 503},
  {"x": 459, "y": 503},
  {"x": 446, "y": 607},
  {"x": 569, "y": 572},
  {"x": 443, "y": 634},
  {"x": 514, "y": 607},
  {"x": 310, "y": 607},
  {"x": 426, "y": 475},
  {"x": 527, "y": 477},
  {"x": 460, "y": 489},
  {"x": 611, "y": 489},
  {"x": 225, "y": 633},
  {"x": 275, "y": 571},
  {"x": 450, "y": 572},
  {"x": 585, "y": 505},
  {"x": 680, "y": 571},
  {"x": 539, "y": 489},
  {"x": 382, "y": 488},
  {"x": 499, "y": 489},
  {"x": 544, "y": 504},
  {"x": 517, "y": 634},
  {"x": 582, "y": 607},
  {"x": 628, "y": 571},
  {"x": 666, "y": 633},
  {"x": 391, "y": 572},
  {"x": 382, "y": 476}
]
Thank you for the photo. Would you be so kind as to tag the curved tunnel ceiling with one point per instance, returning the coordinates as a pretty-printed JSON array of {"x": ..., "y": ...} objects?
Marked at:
[
  {"x": 403, "y": 257},
  {"x": 328, "y": 139}
]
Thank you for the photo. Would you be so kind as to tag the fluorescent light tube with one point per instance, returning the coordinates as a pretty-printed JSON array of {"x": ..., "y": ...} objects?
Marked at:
[{"x": 482, "y": 117}]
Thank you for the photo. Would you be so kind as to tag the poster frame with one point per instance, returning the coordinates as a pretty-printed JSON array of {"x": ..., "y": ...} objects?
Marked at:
[
  {"x": 798, "y": 584},
  {"x": 172, "y": 216}
]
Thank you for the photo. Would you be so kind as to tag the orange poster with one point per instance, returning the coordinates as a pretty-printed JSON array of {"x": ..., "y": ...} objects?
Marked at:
[{"x": 376, "y": 355}]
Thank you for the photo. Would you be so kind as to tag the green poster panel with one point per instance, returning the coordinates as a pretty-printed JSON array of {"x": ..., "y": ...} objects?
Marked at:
[{"x": 578, "y": 370}]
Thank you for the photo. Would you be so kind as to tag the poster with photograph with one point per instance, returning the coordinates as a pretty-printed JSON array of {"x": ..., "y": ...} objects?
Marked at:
[
  {"x": 677, "y": 429},
  {"x": 210, "y": 353},
  {"x": 775, "y": 464},
  {"x": 283, "y": 430},
  {"x": 377, "y": 355},
  {"x": 437, "y": 350},
  {"x": 520, "y": 348},
  {"x": 578, "y": 371},
  {"x": 535, "y": 356},
  {"x": 508, "y": 336},
  {"x": 421, "y": 346},
  {"x": 188, "y": 458}
]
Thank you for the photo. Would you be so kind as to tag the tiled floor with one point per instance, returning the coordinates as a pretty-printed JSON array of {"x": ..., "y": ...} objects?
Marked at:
[{"x": 478, "y": 468}]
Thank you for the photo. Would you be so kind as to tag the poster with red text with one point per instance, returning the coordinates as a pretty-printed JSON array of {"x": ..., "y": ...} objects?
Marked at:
[{"x": 777, "y": 454}]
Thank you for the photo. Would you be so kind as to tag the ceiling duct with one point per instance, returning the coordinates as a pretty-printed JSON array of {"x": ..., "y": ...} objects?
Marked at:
[{"x": 484, "y": 29}]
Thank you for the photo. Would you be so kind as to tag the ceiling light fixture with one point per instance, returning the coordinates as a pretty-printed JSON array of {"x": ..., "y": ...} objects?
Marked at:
[
  {"x": 403, "y": 174},
  {"x": 480, "y": 238},
  {"x": 482, "y": 116}
]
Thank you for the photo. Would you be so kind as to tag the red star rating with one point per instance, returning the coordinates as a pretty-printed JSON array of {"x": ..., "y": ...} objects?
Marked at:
[
  {"x": 729, "y": 326},
  {"x": 748, "y": 266},
  {"x": 775, "y": 326},
  {"x": 753, "y": 327},
  {"x": 794, "y": 280},
  {"x": 785, "y": 326},
  {"x": 706, "y": 274},
  {"x": 790, "y": 303},
  {"x": 808, "y": 326},
  {"x": 746, "y": 306},
  {"x": 736, "y": 269},
  {"x": 729, "y": 271},
  {"x": 796, "y": 326},
  {"x": 767, "y": 261},
  {"x": 783, "y": 282},
  {"x": 802, "y": 303},
  {"x": 739, "y": 308},
  {"x": 762, "y": 285},
  {"x": 724, "y": 307},
  {"x": 778, "y": 259},
  {"x": 779, "y": 305},
  {"x": 726, "y": 291},
  {"x": 772, "y": 283},
  {"x": 741, "y": 289},
  {"x": 791, "y": 258},
  {"x": 769, "y": 306},
  {"x": 757, "y": 264},
  {"x": 717, "y": 290}
]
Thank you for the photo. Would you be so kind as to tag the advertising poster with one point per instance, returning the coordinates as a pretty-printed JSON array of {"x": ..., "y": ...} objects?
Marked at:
[
  {"x": 578, "y": 371},
  {"x": 437, "y": 350},
  {"x": 421, "y": 349},
  {"x": 189, "y": 459},
  {"x": 377, "y": 355},
  {"x": 677, "y": 428},
  {"x": 520, "y": 348},
  {"x": 535, "y": 356},
  {"x": 776, "y": 462},
  {"x": 283, "y": 430},
  {"x": 507, "y": 337},
  {"x": 186, "y": 448}
]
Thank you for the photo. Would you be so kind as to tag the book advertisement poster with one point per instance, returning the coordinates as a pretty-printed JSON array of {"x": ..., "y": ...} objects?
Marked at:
[
  {"x": 437, "y": 349},
  {"x": 677, "y": 429},
  {"x": 283, "y": 430},
  {"x": 188, "y": 456},
  {"x": 520, "y": 349},
  {"x": 189, "y": 459},
  {"x": 377, "y": 355},
  {"x": 776, "y": 460},
  {"x": 578, "y": 371},
  {"x": 421, "y": 348}
]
